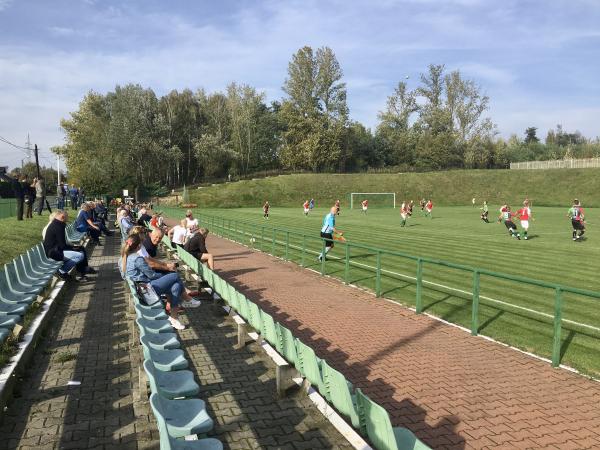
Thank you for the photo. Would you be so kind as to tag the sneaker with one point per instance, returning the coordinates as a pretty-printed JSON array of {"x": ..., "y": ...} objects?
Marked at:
[
  {"x": 176, "y": 324},
  {"x": 574, "y": 238},
  {"x": 525, "y": 238},
  {"x": 193, "y": 303}
]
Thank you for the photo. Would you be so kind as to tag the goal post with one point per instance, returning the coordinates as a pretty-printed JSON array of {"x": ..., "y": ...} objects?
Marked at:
[{"x": 378, "y": 198}]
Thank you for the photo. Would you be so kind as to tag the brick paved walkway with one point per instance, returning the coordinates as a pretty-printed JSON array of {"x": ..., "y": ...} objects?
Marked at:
[
  {"x": 90, "y": 341},
  {"x": 453, "y": 390}
]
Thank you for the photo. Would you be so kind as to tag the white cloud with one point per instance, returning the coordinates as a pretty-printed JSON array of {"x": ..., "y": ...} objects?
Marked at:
[{"x": 5, "y": 4}]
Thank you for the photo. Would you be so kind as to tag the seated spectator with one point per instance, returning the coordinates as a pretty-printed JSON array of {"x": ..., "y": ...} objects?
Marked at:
[
  {"x": 191, "y": 222},
  {"x": 137, "y": 269},
  {"x": 56, "y": 247},
  {"x": 152, "y": 241},
  {"x": 154, "y": 221},
  {"x": 101, "y": 211},
  {"x": 84, "y": 223},
  {"x": 143, "y": 217},
  {"x": 51, "y": 217},
  {"x": 99, "y": 222},
  {"x": 178, "y": 233},
  {"x": 196, "y": 246},
  {"x": 125, "y": 223}
]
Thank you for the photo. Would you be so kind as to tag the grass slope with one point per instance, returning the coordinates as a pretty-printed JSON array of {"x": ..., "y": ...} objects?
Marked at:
[
  {"x": 456, "y": 234},
  {"x": 450, "y": 188},
  {"x": 18, "y": 236}
]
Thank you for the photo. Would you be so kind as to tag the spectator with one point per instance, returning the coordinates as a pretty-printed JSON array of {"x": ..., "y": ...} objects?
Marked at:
[
  {"x": 143, "y": 217},
  {"x": 29, "y": 190},
  {"x": 178, "y": 233},
  {"x": 18, "y": 191},
  {"x": 97, "y": 220},
  {"x": 137, "y": 269},
  {"x": 125, "y": 223},
  {"x": 154, "y": 221},
  {"x": 85, "y": 224},
  {"x": 60, "y": 196},
  {"x": 56, "y": 247},
  {"x": 74, "y": 194},
  {"x": 40, "y": 192},
  {"x": 191, "y": 222},
  {"x": 196, "y": 246},
  {"x": 81, "y": 196},
  {"x": 152, "y": 240},
  {"x": 51, "y": 217}
]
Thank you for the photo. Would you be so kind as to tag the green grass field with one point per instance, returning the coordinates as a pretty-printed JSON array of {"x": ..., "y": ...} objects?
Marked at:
[
  {"x": 457, "y": 235},
  {"x": 18, "y": 236},
  {"x": 448, "y": 188}
]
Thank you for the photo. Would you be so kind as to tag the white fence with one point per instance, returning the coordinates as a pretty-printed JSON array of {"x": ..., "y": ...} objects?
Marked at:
[{"x": 558, "y": 164}]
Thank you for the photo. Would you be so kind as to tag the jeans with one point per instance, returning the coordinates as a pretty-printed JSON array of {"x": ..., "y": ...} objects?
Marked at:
[
  {"x": 71, "y": 259},
  {"x": 41, "y": 202},
  {"x": 169, "y": 284}
]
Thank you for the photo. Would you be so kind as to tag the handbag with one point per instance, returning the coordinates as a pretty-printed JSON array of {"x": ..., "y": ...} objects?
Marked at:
[{"x": 146, "y": 293}]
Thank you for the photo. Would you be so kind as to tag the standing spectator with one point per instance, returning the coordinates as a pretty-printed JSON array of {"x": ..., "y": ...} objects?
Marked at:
[
  {"x": 81, "y": 196},
  {"x": 60, "y": 196},
  {"x": 56, "y": 247},
  {"x": 74, "y": 194},
  {"x": 196, "y": 246},
  {"x": 40, "y": 192},
  {"x": 178, "y": 233},
  {"x": 29, "y": 197},
  {"x": 18, "y": 191}
]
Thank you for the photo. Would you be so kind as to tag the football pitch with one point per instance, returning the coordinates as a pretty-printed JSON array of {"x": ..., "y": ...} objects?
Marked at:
[{"x": 512, "y": 312}]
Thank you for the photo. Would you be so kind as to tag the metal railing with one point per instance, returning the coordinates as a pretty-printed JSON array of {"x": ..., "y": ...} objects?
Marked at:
[
  {"x": 583, "y": 163},
  {"x": 273, "y": 237},
  {"x": 8, "y": 207}
]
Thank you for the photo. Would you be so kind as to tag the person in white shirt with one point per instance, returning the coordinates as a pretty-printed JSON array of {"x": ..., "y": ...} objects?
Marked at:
[
  {"x": 191, "y": 222},
  {"x": 178, "y": 233}
]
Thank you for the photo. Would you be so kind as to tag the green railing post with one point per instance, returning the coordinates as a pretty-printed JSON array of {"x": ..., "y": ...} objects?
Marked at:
[
  {"x": 557, "y": 327},
  {"x": 273, "y": 243},
  {"x": 419, "y": 300},
  {"x": 323, "y": 258},
  {"x": 303, "y": 250},
  {"x": 378, "y": 276},
  {"x": 475, "y": 307},
  {"x": 347, "y": 264},
  {"x": 287, "y": 245},
  {"x": 262, "y": 238}
]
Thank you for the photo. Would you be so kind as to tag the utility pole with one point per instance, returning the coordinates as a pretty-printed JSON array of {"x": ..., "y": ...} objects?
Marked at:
[
  {"x": 28, "y": 143},
  {"x": 58, "y": 168},
  {"x": 37, "y": 162}
]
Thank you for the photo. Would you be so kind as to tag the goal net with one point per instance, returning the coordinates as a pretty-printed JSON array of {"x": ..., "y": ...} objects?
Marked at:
[{"x": 377, "y": 199}]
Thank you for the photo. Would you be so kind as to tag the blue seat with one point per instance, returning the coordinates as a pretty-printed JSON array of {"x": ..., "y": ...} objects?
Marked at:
[
  {"x": 12, "y": 309},
  {"x": 149, "y": 313},
  {"x": 8, "y": 322},
  {"x": 3, "y": 334},
  {"x": 38, "y": 254},
  {"x": 165, "y": 360},
  {"x": 181, "y": 417},
  {"x": 35, "y": 269},
  {"x": 171, "y": 385},
  {"x": 15, "y": 285},
  {"x": 155, "y": 326}
]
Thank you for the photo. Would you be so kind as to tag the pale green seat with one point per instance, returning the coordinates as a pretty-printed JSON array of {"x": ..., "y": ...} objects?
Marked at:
[
  {"x": 182, "y": 417},
  {"x": 36, "y": 264},
  {"x": 310, "y": 365},
  {"x": 39, "y": 251},
  {"x": 150, "y": 313},
  {"x": 158, "y": 306},
  {"x": 9, "y": 296},
  {"x": 286, "y": 346},
  {"x": 171, "y": 385},
  {"x": 268, "y": 330},
  {"x": 11, "y": 309},
  {"x": 28, "y": 278},
  {"x": 3, "y": 334},
  {"x": 340, "y": 392},
  {"x": 8, "y": 321},
  {"x": 160, "y": 341},
  {"x": 155, "y": 326},
  {"x": 165, "y": 360},
  {"x": 375, "y": 422},
  {"x": 16, "y": 286},
  {"x": 254, "y": 318}
]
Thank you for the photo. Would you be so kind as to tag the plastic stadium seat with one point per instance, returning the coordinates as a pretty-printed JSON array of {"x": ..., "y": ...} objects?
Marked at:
[
  {"x": 254, "y": 318},
  {"x": 11, "y": 309},
  {"x": 286, "y": 345},
  {"x": 3, "y": 334},
  {"x": 171, "y": 384},
  {"x": 340, "y": 393},
  {"x": 182, "y": 417},
  {"x": 269, "y": 330},
  {"x": 8, "y": 321},
  {"x": 16, "y": 286},
  {"x": 310, "y": 365},
  {"x": 32, "y": 260},
  {"x": 39, "y": 252},
  {"x": 165, "y": 360},
  {"x": 155, "y": 326},
  {"x": 8, "y": 296},
  {"x": 168, "y": 441},
  {"x": 150, "y": 313},
  {"x": 160, "y": 341},
  {"x": 375, "y": 422},
  {"x": 38, "y": 272}
]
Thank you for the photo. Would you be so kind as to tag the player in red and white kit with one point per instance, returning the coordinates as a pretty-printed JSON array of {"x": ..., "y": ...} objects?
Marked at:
[
  {"x": 365, "y": 205},
  {"x": 404, "y": 213},
  {"x": 524, "y": 216},
  {"x": 266, "y": 207},
  {"x": 337, "y": 207},
  {"x": 428, "y": 208},
  {"x": 306, "y": 206}
]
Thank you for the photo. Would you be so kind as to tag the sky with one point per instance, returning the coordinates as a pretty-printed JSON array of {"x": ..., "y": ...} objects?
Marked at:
[{"x": 538, "y": 61}]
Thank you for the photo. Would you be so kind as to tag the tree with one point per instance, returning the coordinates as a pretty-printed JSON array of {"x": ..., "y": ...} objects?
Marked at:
[{"x": 531, "y": 136}]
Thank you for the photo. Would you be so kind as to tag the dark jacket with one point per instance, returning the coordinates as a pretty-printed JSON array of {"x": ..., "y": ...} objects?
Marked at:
[
  {"x": 55, "y": 242},
  {"x": 149, "y": 246},
  {"x": 15, "y": 184},
  {"x": 196, "y": 245}
]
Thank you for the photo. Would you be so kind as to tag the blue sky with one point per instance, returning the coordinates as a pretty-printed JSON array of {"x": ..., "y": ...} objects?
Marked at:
[{"x": 539, "y": 61}]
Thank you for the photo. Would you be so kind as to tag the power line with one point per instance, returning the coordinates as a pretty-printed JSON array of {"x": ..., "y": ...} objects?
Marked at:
[{"x": 6, "y": 141}]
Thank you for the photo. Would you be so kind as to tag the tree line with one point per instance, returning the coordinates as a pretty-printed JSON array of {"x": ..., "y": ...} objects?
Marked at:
[{"x": 130, "y": 137}]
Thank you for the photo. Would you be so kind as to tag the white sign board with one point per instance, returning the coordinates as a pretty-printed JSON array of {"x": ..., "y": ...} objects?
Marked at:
[{"x": 125, "y": 193}]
